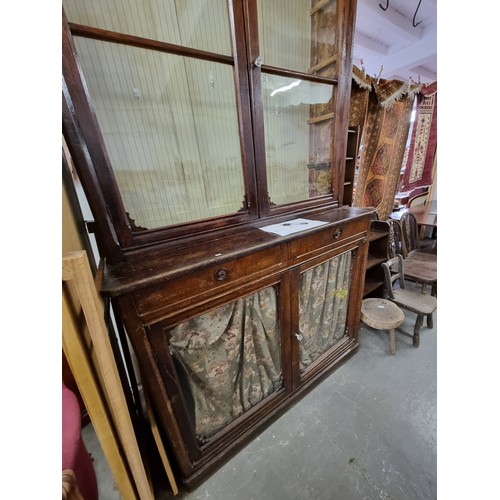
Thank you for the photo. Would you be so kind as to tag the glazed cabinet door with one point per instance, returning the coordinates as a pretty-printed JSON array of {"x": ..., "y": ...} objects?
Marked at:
[
  {"x": 224, "y": 366},
  {"x": 324, "y": 321}
]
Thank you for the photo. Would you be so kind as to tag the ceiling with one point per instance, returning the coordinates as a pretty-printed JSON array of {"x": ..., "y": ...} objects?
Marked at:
[{"x": 389, "y": 38}]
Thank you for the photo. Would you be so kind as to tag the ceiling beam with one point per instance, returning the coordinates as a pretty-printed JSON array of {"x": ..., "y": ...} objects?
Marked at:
[
  {"x": 424, "y": 73},
  {"x": 370, "y": 44},
  {"x": 390, "y": 19},
  {"x": 413, "y": 55}
]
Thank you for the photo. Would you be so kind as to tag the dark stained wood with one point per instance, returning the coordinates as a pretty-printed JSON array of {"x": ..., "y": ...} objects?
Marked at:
[
  {"x": 146, "y": 43},
  {"x": 409, "y": 299},
  {"x": 346, "y": 13},
  {"x": 287, "y": 324},
  {"x": 86, "y": 146},
  {"x": 82, "y": 131},
  {"x": 251, "y": 134},
  {"x": 151, "y": 265},
  {"x": 160, "y": 346},
  {"x": 350, "y": 165},
  {"x": 159, "y": 278},
  {"x": 150, "y": 373},
  {"x": 357, "y": 288},
  {"x": 322, "y": 241},
  {"x": 244, "y": 106},
  {"x": 177, "y": 294},
  {"x": 378, "y": 248},
  {"x": 252, "y": 269},
  {"x": 255, "y": 73},
  {"x": 294, "y": 327},
  {"x": 273, "y": 70},
  {"x": 326, "y": 201}
]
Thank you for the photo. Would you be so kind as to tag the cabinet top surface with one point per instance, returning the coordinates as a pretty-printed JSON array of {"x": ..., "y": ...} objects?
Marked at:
[{"x": 155, "y": 263}]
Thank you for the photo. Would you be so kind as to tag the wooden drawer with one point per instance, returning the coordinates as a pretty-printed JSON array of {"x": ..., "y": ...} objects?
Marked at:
[
  {"x": 317, "y": 243},
  {"x": 208, "y": 282}
]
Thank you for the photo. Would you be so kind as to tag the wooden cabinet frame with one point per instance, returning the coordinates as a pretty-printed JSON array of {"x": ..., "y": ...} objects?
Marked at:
[
  {"x": 148, "y": 331},
  {"x": 158, "y": 278},
  {"x": 115, "y": 230}
]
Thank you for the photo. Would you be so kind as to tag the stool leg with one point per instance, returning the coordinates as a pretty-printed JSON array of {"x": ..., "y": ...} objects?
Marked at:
[
  {"x": 416, "y": 331},
  {"x": 392, "y": 340},
  {"x": 430, "y": 321}
]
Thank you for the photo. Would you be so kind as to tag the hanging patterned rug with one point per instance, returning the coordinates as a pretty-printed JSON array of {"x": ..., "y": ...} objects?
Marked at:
[
  {"x": 419, "y": 166},
  {"x": 360, "y": 94},
  {"x": 383, "y": 146}
]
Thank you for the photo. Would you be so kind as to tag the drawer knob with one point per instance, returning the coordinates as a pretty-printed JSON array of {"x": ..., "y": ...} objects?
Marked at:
[
  {"x": 337, "y": 233},
  {"x": 221, "y": 274}
]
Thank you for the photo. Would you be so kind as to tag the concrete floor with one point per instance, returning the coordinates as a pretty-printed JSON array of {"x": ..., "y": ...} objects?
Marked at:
[{"x": 367, "y": 431}]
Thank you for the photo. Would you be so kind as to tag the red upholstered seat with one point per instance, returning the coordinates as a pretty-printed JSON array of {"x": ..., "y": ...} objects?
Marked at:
[{"x": 75, "y": 456}]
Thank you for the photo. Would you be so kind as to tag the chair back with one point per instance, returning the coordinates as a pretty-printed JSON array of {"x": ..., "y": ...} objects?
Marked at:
[
  {"x": 396, "y": 241},
  {"x": 393, "y": 271},
  {"x": 409, "y": 228},
  {"x": 418, "y": 199}
]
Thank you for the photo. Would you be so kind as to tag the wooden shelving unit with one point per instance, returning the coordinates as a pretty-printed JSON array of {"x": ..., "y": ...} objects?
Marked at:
[
  {"x": 350, "y": 164},
  {"x": 378, "y": 240}
]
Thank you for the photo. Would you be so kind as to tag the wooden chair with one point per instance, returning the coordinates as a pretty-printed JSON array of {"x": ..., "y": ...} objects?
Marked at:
[
  {"x": 395, "y": 240},
  {"x": 418, "y": 199},
  {"x": 411, "y": 240},
  {"x": 411, "y": 300},
  {"x": 416, "y": 270}
]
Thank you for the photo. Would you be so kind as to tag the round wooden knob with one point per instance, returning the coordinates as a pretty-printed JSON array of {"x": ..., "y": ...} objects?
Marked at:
[{"x": 221, "y": 274}]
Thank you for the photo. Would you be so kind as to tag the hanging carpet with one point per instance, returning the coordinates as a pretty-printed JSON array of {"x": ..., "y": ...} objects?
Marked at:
[
  {"x": 419, "y": 166},
  {"x": 383, "y": 142},
  {"x": 360, "y": 93}
]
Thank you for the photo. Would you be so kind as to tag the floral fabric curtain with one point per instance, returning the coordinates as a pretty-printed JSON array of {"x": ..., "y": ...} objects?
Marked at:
[
  {"x": 231, "y": 358},
  {"x": 323, "y": 301}
]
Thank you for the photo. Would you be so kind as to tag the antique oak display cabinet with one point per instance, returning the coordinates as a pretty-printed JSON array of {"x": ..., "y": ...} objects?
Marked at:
[{"x": 210, "y": 140}]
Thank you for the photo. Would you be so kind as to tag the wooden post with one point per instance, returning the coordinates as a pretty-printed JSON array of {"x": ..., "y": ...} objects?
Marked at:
[{"x": 76, "y": 271}]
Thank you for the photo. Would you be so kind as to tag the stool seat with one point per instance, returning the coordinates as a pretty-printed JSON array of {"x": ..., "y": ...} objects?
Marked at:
[{"x": 382, "y": 314}]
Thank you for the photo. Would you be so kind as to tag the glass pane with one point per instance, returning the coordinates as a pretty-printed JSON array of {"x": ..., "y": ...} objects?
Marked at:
[
  {"x": 200, "y": 24},
  {"x": 228, "y": 360},
  {"x": 297, "y": 124},
  {"x": 323, "y": 301},
  {"x": 299, "y": 36},
  {"x": 171, "y": 131}
]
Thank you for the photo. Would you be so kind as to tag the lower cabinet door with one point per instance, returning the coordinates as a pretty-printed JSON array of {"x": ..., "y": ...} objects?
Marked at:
[
  {"x": 322, "y": 309},
  {"x": 228, "y": 360},
  {"x": 221, "y": 366}
]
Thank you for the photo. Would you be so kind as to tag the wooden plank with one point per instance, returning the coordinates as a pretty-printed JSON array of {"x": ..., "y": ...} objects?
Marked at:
[
  {"x": 78, "y": 360},
  {"x": 76, "y": 265},
  {"x": 322, "y": 118},
  {"x": 323, "y": 63},
  {"x": 319, "y": 5},
  {"x": 159, "y": 444}
]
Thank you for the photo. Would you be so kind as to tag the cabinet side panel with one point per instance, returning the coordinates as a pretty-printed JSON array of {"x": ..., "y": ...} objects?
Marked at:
[{"x": 150, "y": 372}]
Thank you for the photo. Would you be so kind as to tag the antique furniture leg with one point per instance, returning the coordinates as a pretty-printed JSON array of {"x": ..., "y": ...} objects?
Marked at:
[
  {"x": 392, "y": 340},
  {"x": 416, "y": 332},
  {"x": 430, "y": 322}
]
